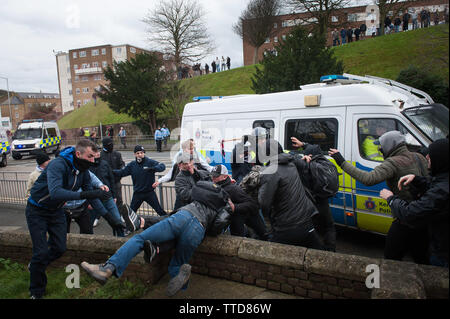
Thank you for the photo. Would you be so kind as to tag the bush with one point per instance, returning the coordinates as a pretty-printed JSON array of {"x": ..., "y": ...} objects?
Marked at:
[{"x": 423, "y": 80}]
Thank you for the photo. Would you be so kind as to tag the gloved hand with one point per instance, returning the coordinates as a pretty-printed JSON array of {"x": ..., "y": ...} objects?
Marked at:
[
  {"x": 338, "y": 158},
  {"x": 96, "y": 193}
]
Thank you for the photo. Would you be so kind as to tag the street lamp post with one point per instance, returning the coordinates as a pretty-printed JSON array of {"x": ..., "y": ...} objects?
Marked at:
[{"x": 9, "y": 101}]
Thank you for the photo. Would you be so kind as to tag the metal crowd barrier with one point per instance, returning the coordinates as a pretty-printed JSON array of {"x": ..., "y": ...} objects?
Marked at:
[{"x": 13, "y": 186}]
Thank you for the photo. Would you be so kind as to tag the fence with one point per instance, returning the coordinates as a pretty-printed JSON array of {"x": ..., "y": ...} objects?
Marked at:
[
  {"x": 148, "y": 141},
  {"x": 13, "y": 187}
]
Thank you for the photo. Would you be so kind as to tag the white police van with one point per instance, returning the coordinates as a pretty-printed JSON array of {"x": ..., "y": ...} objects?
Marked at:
[
  {"x": 35, "y": 135},
  {"x": 339, "y": 112},
  {"x": 5, "y": 148}
]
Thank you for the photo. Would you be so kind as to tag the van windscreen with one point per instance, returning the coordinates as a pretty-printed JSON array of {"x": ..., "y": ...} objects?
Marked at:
[
  {"x": 28, "y": 134},
  {"x": 431, "y": 119}
]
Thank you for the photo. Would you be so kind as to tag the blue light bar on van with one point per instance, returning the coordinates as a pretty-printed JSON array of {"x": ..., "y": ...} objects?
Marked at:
[
  {"x": 200, "y": 98},
  {"x": 33, "y": 120},
  {"x": 329, "y": 78}
]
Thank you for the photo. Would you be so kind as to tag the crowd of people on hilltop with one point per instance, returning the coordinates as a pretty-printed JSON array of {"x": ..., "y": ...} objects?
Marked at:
[
  {"x": 269, "y": 195},
  {"x": 411, "y": 19},
  {"x": 217, "y": 65}
]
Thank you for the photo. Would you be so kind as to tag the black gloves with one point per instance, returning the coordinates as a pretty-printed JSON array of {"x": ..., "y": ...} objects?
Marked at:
[
  {"x": 97, "y": 193},
  {"x": 338, "y": 158}
]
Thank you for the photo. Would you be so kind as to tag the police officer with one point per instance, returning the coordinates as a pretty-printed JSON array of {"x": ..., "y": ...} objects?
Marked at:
[{"x": 369, "y": 149}]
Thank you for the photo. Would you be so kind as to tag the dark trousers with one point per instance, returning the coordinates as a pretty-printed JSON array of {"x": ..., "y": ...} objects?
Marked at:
[
  {"x": 402, "y": 239},
  {"x": 83, "y": 219},
  {"x": 324, "y": 224},
  {"x": 158, "y": 145},
  {"x": 44, "y": 251},
  {"x": 119, "y": 193},
  {"x": 255, "y": 221},
  {"x": 302, "y": 235},
  {"x": 150, "y": 198}
]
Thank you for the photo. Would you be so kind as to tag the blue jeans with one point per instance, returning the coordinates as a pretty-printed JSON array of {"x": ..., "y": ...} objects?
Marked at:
[
  {"x": 344, "y": 40},
  {"x": 182, "y": 226},
  {"x": 41, "y": 221},
  {"x": 112, "y": 209}
]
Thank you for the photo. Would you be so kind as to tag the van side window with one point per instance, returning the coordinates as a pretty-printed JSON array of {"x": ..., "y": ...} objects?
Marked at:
[
  {"x": 45, "y": 134},
  {"x": 269, "y": 125},
  {"x": 51, "y": 132},
  {"x": 322, "y": 131},
  {"x": 370, "y": 130}
]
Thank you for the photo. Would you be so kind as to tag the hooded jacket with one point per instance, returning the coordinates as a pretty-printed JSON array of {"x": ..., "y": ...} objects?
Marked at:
[
  {"x": 59, "y": 182},
  {"x": 142, "y": 174},
  {"x": 282, "y": 196},
  {"x": 243, "y": 203},
  {"x": 431, "y": 208},
  {"x": 104, "y": 173},
  {"x": 184, "y": 182},
  {"x": 398, "y": 162},
  {"x": 113, "y": 158}
]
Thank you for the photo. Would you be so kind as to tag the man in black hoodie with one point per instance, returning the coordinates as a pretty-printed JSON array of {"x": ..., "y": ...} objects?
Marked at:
[
  {"x": 114, "y": 160},
  {"x": 245, "y": 208},
  {"x": 431, "y": 208},
  {"x": 282, "y": 197}
]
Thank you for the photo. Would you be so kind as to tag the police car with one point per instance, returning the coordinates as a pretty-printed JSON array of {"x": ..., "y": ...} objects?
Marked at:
[
  {"x": 341, "y": 112},
  {"x": 35, "y": 135},
  {"x": 5, "y": 148}
]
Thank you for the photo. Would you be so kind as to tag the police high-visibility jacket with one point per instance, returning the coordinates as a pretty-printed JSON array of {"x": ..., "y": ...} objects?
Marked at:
[{"x": 370, "y": 150}]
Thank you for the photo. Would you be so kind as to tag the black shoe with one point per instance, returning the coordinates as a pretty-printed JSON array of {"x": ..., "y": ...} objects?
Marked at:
[
  {"x": 177, "y": 282},
  {"x": 149, "y": 251}
]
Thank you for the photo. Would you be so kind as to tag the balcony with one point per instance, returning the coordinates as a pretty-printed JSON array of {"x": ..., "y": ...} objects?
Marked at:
[{"x": 85, "y": 71}]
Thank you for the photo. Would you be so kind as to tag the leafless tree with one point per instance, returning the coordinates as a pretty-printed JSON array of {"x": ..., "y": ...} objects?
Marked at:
[
  {"x": 319, "y": 11},
  {"x": 256, "y": 23},
  {"x": 178, "y": 27}
]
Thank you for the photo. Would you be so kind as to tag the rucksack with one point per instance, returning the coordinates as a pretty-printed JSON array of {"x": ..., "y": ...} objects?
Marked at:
[
  {"x": 209, "y": 194},
  {"x": 324, "y": 177}
]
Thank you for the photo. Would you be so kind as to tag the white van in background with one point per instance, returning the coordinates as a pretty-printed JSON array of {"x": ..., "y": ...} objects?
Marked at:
[
  {"x": 339, "y": 112},
  {"x": 35, "y": 135}
]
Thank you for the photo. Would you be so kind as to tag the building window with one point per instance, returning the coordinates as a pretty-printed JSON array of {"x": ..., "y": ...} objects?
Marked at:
[
  {"x": 103, "y": 51},
  {"x": 77, "y": 78},
  {"x": 119, "y": 50},
  {"x": 75, "y": 66},
  {"x": 17, "y": 115},
  {"x": 133, "y": 50},
  {"x": 284, "y": 24},
  {"x": 70, "y": 92},
  {"x": 69, "y": 81},
  {"x": 85, "y": 66},
  {"x": 275, "y": 25},
  {"x": 97, "y": 77},
  {"x": 74, "y": 55},
  {"x": 95, "y": 64},
  {"x": 95, "y": 52},
  {"x": 267, "y": 40},
  {"x": 320, "y": 131},
  {"x": 275, "y": 39},
  {"x": 84, "y": 78},
  {"x": 82, "y": 54},
  {"x": 77, "y": 90},
  {"x": 104, "y": 64},
  {"x": 334, "y": 19},
  {"x": 283, "y": 36},
  {"x": 352, "y": 17},
  {"x": 85, "y": 90}
]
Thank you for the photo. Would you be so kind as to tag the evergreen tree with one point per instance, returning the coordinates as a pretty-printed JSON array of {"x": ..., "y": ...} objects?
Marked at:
[
  {"x": 136, "y": 87},
  {"x": 300, "y": 59}
]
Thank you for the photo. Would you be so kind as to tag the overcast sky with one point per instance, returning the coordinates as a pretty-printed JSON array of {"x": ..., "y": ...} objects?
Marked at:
[{"x": 31, "y": 30}]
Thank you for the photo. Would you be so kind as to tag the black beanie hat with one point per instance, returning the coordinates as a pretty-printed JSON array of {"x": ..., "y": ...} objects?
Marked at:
[
  {"x": 107, "y": 141},
  {"x": 438, "y": 151},
  {"x": 41, "y": 158},
  {"x": 139, "y": 148}
]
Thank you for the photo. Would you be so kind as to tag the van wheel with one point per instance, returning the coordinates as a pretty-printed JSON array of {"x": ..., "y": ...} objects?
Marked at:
[
  {"x": 17, "y": 156},
  {"x": 4, "y": 161},
  {"x": 56, "y": 149}
]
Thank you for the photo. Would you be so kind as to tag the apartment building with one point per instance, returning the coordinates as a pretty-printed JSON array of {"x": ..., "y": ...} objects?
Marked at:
[
  {"x": 22, "y": 102},
  {"x": 347, "y": 17},
  {"x": 80, "y": 71}
]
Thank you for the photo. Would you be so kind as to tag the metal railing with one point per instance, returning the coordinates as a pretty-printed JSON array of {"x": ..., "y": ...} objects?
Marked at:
[
  {"x": 13, "y": 187},
  {"x": 148, "y": 141}
]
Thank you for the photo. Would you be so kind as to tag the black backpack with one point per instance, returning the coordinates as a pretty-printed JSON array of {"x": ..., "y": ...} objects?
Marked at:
[
  {"x": 209, "y": 194},
  {"x": 324, "y": 177}
]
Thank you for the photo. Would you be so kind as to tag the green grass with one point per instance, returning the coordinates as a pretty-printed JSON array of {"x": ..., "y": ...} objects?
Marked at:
[
  {"x": 383, "y": 56},
  {"x": 90, "y": 115},
  {"x": 386, "y": 56},
  {"x": 15, "y": 280}
]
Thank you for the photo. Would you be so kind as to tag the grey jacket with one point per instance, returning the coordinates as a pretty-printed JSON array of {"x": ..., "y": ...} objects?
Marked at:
[{"x": 184, "y": 182}]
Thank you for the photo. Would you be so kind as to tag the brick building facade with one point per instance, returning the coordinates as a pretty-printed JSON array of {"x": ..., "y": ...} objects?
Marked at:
[
  {"x": 80, "y": 71},
  {"x": 352, "y": 17},
  {"x": 22, "y": 102}
]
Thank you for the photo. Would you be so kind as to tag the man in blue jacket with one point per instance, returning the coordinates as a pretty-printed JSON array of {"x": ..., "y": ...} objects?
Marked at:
[
  {"x": 142, "y": 172},
  {"x": 58, "y": 183}
]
